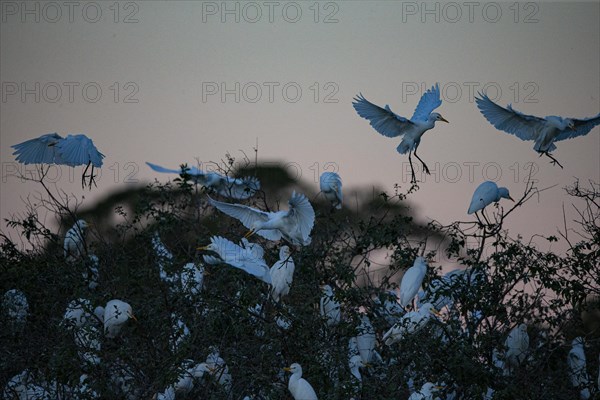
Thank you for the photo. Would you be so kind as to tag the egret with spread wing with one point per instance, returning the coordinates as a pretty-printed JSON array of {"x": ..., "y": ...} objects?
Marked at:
[
  {"x": 294, "y": 225},
  {"x": 389, "y": 124},
  {"x": 235, "y": 188},
  {"x": 543, "y": 131}
]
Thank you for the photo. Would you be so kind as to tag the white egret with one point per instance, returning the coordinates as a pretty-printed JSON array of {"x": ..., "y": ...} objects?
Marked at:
[
  {"x": 164, "y": 259},
  {"x": 427, "y": 392},
  {"x": 78, "y": 313},
  {"x": 298, "y": 386},
  {"x": 485, "y": 194},
  {"x": 545, "y": 132},
  {"x": 578, "y": 374},
  {"x": 91, "y": 273},
  {"x": 389, "y": 124},
  {"x": 331, "y": 186},
  {"x": 411, "y": 281},
  {"x": 179, "y": 332},
  {"x": 410, "y": 323},
  {"x": 516, "y": 344},
  {"x": 218, "y": 368},
  {"x": 365, "y": 339},
  {"x": 391, "y": 309},
  {"x": 247, "y": 259},
  {"x": 185, "y": 380},
  {"x": 116, "y": 314},
  {"x": 87, "y": 340},
  {"x": 329, "y": 307},
  {"x": 282, "y": 274},
  {"x": 51, "y": 148},
  {"x": 234, "y": 188},
  {"x": 74, "y": 245},
  {"x": 294, "y": 225},
  {"x": 355, "y": 363},
  {"x": 16, "y": 308}
]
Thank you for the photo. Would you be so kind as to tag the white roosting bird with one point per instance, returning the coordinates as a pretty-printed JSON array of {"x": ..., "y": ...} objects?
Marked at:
[
  {"x": 516, "y": 344},
  {"x": 116, "y": 314},
  {"x": 331, "y": 186},
  {"x": 218, "y": 368},
  {"x": 389, "y": 124},
  {"x": 577, "y": 368},
  {"x": 78, "y": 313},
  {"x": 234, "y": 188},
  {"x": 485, "y": 194},
  {"x": 545, "y": 132},
  {"x": 51, "y": 148},
  {"x": 426, "y": 393},
  {"x": 365, "y": 339},
  {"x": 282, "y": 274},
  {"x": 164, "y": 259},
  {"x": 294, "y": 225},
  {"x": 248, "y": 259},
  {"x": 74, "y": 245},
  {"x": 411, "y": 281},
  {"x": 355, "y": 363},
  {"x": 298, "y": 386},
  {"x": 329, "y": 307},
  {"x": 409, "y": 323}
]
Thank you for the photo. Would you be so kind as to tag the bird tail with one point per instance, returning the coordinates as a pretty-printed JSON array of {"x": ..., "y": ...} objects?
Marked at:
[{"x": 404, "y": 147}]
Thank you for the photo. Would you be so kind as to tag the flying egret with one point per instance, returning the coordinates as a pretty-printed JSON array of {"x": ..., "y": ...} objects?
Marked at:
[
  {"x": 329, "y": 306},
  {"x": 411, "y": 281},
  {"x": 545, "y": 132},
  {"x": 426, "y": 393},
  {"x": 331, "y": 185},
  {"x": 234, "y": 188},
  {"x": 294, "y": 225},
  {"x": 244, "y": 258},
  {"x": 485, "y": 194},
  {"x": 51, "y": 148},
  {"x": 116, "y": 314},
  {"x": 282, "y": 274},
  {"x": 16, "y": 308},
  {"x": 298, "y": 386},
  {"x": 389, "y": 124},
  {"x": 577, "y": 368},
  {"x": 74, "y": 245},
  {"x": 410, "y": 323},
  {"x": 516, "y": 344}
]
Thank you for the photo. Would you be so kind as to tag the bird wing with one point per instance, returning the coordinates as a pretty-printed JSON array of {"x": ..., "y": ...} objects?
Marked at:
[
  {"x": 525, "y": 127},
  {"x": 582, "y": 127},
  {"x": 247, "y": 216},
  {"x": 193, "y": 171},
  {"x": 301, "y": 213},
  {"x": 41, "y": 150},
  {"x": 429, "y": 102},
  {"x": 383, "y": 120},
  {"x": 238, "y": 188},
  {"x": 79, "y": 150}
]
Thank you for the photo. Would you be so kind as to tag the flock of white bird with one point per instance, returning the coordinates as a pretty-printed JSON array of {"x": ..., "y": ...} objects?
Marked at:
[{"x": 410, "y": 312}]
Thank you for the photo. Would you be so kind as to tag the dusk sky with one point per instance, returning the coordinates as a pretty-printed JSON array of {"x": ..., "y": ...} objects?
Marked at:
[{"x": 169, "y": 82}]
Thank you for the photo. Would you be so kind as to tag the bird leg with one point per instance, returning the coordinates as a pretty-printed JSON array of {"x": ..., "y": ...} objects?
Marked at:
[
  {"x": 485, "y": 217},
  {"x": 554, "y": 160},
  {"x": 422, "y": 162},
  {"x": 412, "y": 169},
  {"x": 91, "y": 176}
]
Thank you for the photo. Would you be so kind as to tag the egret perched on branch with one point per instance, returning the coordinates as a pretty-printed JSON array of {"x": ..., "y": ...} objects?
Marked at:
[
  {"x": 74, "y": 245},
  {"x": 411, "y": 281},
  {"x": 485, "y": 194},
  {"x": 52, "y": 148},
  {"x": 409, "y": 323},
  {"x": 426, "y": 393},
  {"x": 543, "y": 131},
  {"x": 577, "y": 368},
  {"x": 298, "y": 386},
  {"x": 116, "y": 314},
  {"x": 234, "y": 188},
  {"x": 282, "y": 274},
  {"x": 329, "y": 306},
  {"x": 389, "y": 124},
  {"x": 331, "y": 186},
  {"x": 248, "y": 258},
  {"x": 294, "y": 225}
]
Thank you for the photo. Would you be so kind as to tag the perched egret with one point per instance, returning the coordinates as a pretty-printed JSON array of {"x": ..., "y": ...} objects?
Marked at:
[
  {"x": 294, "y": 225},
  {"x": 282, "y": 274},
  {"x": 355, "y": 363},
  {"x": 485, "y": 194},
  {"x": 234, "y": 188},
  {"x": 164, "y": 259},
  {"x": 91, "y": 273},
  {"x": 389, "y": 124},
  {"x": 247, "y": 258},
  {"x": 577, "y": 368},
  {"x": 545, "y": 132},
  {"x": 426, "y": 393},
  {"x": 298, "y": 386},
  {"x": 52, "y": 148},
  {"x": 78, "y": 313},
  {"x": 87, "y": 339},
  {"x": 116, "y": 314},
  {"x": 516, "y": 344},
  {"x": 218, "y": 368},
  {"x": 411, "y": 281},
  {"x": 410, "y": 323},
  {"x": 16, "y": 309},
  {"x": 74, "y": 245},
  {"x": 331, "y": 186},
  {"x": 365, "y": 339},
  {"x": 185, "y": 380},
  {"x": 390, "y": 310},
  {"x": 329, "y": 307}
]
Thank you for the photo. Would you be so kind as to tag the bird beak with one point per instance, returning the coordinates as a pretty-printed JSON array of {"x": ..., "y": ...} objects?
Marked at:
[
  {"x": 368, "y": 365},
  {"x": 288, "y": 369},
  {"x": 438, "y": 387},
  {"x": 435, "y": 312},
  {"x": 249, "y": 233},
  {"x": 510, "y": 198},
  {"x": 202, "y": 248},
  {"x": 444, "y": 119},
  {"x": 133, "y": 317}
]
